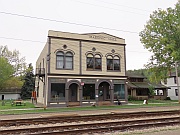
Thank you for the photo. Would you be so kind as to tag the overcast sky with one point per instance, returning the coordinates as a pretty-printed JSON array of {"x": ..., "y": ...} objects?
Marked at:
[{"x": 24, "y": 24}]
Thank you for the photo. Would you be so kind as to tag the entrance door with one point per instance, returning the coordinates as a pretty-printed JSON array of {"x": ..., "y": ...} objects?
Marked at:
[
  {"x": 73, "y": 92},
  {"x": 104, "y": 92},
  {"x": 2, "y": 97}
]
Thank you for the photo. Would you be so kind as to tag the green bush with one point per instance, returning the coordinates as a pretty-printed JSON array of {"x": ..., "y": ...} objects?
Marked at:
[
  {"x": 168, "y": 98},
  {"x": 130, "y": 98}
]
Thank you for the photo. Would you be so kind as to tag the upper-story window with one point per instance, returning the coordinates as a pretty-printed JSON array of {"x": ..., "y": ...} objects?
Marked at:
[
  {"x": 93, "y": 62},
  {"x": 64, "y": 60},
  {"x": 175, "y": 80},
  {"x": 176, "y": 92},
  {"x": 113, "y": 63}
]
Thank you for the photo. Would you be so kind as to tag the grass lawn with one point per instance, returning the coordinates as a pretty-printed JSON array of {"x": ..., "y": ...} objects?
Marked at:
[
  {"x": 8, "y": 105},
  {"x": 30, "y": 108},
  {"x": 154, "y": 101}
]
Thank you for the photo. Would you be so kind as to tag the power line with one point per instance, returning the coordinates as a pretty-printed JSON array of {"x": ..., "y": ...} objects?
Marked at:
[
  {"x": 110, "y": 7},
  {"x": 72, "y": 23},
  {"x": 22, "y": 39},
  {"x": 55, "y": 44},
  {"x": 124, "y": 6}
]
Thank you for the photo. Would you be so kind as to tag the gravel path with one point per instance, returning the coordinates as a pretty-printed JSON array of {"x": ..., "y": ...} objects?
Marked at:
[
  {"x": 170, "y": 130},
  {"x": 175, "y": 130},
  {"x": 166, "y": 132}
]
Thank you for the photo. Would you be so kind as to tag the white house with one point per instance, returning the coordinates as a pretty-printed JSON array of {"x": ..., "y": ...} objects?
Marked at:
[{"x": 172, "y": 84}]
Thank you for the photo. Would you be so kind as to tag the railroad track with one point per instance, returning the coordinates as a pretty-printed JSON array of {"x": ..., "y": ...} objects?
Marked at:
[
  {"x": 120, "y": 126},
  {"x": 92, "y": 126},
  {"x": 69, "y": 119}
]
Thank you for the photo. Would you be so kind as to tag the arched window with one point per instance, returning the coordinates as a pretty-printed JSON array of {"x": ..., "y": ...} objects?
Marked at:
[
  {"x": 116, "y": 62},
  {"x": 113, "y": 63},
  {"x": 64, "y": 60},
  {"x": 109, "y": 63},
  {"x": 93, "y": 62},
  {"x": 90, "y": 61},
  {"x": 69, "y": 60},
  {"x": 60, "y": 60},
  {"x": 97, "y": 61}
]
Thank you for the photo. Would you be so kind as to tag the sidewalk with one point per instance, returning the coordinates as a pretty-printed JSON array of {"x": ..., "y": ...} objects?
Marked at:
[
  {"x": 86, "y": 112},
  {"x": 39, "y": 107},
  {"x": 5, "y": 110}
]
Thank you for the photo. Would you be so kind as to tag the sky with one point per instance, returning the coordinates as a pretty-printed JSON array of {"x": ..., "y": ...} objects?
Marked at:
[{"x": 24, "y": 24}]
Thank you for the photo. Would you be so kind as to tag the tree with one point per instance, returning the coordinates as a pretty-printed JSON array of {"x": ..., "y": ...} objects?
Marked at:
[
  {"x": 29, "y": 83},
  {"x": 14, "y": 59},
  {"x": 6, "y": 72},
  {"x": 151, "y": 91},
  {"x": 14, "y": 82},
  {"x": 161, "y": 36}
]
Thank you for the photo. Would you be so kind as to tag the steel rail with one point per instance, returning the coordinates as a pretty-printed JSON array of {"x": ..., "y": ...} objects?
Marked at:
[
  {"x": 111, "y": 129},
  {"x": 94, "y": 127},
  {"x": 60, "y": 119}
]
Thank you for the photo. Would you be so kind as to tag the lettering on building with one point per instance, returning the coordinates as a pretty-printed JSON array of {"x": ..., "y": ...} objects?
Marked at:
[{"x": 103, "y": 38}]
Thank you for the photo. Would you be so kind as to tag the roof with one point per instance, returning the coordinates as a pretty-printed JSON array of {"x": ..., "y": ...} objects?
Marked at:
[
  {"x": 11, "y": 91},
  {"x": 138, "y": 84},
  {"x": 160, "y": 86},
  {"x": 95, "y": 37},
  {"x": 145, "y": 85},
  {"x": 101, "y": 33},
  {"x": 133, "y": 75}
]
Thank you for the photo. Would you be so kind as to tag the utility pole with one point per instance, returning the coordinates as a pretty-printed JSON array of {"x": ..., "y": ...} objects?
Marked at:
[{"x": 177, "y": 80}]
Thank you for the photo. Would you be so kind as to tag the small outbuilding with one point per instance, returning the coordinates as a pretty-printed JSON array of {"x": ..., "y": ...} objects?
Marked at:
[{"x": 10, "y": 93}]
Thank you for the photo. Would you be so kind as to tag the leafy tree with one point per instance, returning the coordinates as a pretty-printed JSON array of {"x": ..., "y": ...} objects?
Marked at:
[
  {"x": 14, "y": 82},
  {"x": 6, "y": 72},
  {"x": 29, "y": 83},
  {"x": 14, "y": 59},
  {"x": 151, "y": 91},
  {"x": 161, "y": 36}
]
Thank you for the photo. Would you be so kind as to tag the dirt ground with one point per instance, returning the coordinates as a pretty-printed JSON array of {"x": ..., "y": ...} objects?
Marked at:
[{"x": 168, "y": 131}]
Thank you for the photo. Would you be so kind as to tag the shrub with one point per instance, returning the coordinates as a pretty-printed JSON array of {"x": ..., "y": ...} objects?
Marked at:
[
  {"x": 168, "y": 98},
  {"x": 130, "y": 98}
]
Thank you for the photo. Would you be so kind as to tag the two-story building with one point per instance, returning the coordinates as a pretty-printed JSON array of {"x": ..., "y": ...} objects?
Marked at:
[
  {"x": 81, "y": 69},
  {"x": 171, "y": 82}
]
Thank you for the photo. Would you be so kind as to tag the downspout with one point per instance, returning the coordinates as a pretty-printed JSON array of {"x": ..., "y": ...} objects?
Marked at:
[
  {"x": 126, "y": 90},
  {"x": 46, "y": 93}
]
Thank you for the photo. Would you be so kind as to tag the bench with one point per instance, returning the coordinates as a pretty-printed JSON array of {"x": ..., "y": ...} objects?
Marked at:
[{"x": 18, "y": 102}]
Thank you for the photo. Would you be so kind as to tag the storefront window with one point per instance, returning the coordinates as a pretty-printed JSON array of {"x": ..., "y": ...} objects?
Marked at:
[
  {"x": 119, "y": 91},
  {"x": 88, "y": 91},
  {"x": 57, "y": 92}
]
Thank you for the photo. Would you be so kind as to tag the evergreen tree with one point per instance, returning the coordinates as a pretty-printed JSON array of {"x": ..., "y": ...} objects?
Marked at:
[{"x": 29, "y": 83}]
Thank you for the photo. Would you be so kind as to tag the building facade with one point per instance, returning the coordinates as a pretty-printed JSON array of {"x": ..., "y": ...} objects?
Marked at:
[
  {"x": 140, "y": 89},
  {"x": 81, "y": 69},
  {"x": 171, "y": 82}
]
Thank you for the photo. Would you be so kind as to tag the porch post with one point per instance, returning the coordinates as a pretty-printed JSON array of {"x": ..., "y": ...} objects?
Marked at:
[
  {"x": 112, "y": 95},
  {"x": 67, "y": 97},
  {"x": 96, "y": 96},
  {"x": 80, "y": 97},
  {"x": 126, "y": 93}
]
